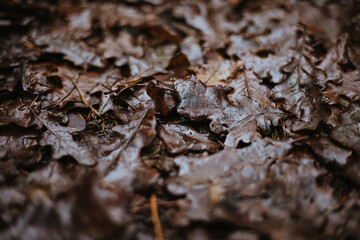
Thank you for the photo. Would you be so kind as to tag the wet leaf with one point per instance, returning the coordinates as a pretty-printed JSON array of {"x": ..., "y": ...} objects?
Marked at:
[
  {"x": 122, "y": 166},
  {"x": 329, "y": 152},
  {"x": 76, "y": 52},
  {"x": 348, "y": 132},
  {"x": 65, "y": 141},
  {"x": 163, "y": 98},
  {"x": 200, "y": 103},
  {"x": 206, "y": 179},
  {"x": 154, "y": 61},
  {"x": 19, "y": 145},
  {"x": 348, "y": 87},
  {"x": 35, "y": 82},
  {"x": 179, "y": 138},
  {"x": 120, "y": 47},
  {"x": 240, "y": 118},
  {"x": 88, "y": 83},
  {"x": 217, "y": 71}
]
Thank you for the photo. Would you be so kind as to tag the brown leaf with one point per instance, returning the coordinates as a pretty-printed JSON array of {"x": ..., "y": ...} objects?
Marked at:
[
  {"x": 199, "y": 103},
  {"x": 191, "y": 48},
  {"x": 76, "y": 52},
  {"x": 163, "y": 98},
  {"x": 180, "y": 138},
  {"x": 246, "y": 83},
  {"x": 84, "y": 151},
  {"x": 329, "y": 152},
  {"x": 35, "y": 82},
  {"x": 121, "y": 167},
  {"x": 160, "y": 31},
  {"x": 88, "y": 83},
  {"x": 304, "y": 102},
  {"x": 206, "y": 179},
  {"x": 19, "y": 145},
  {"x": 217, "y": 71},
  {"x": 120, "y": 47},
  {"x": 347, "y": 133},
  {"x": 178, "y": 61},
  {"x": 349, "y": 87},
  {"x": 155, "y": 60},
  {"x": 20, "y": 114}
]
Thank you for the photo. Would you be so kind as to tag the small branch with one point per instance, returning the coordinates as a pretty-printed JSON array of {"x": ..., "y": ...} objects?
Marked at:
[
  {"x": 147, "y": 207},
  {"x": 155, "y": 218},
  {"x": 67, "y": 95},
  {"x": 138, "y": 124},
  {"x": 84, "y": 100}
]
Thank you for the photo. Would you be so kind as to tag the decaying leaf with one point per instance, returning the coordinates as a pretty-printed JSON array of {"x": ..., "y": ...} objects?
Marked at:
[
  {"x": 154, "y": 61},
  {"x": 178, "y": 139},
  {"x": 163, "y": 97},
  {"x": 200, "y": 103},
  {"x": 124, "y": 164},
  {"x": 64, "y": 141},
  {"x": 152, "y": 119},
  {"x": 217, "y": 71},
  {"x": 120, "y": 48},
  {"x": 348, "y": 132},
  {"x": 348, "y": 87},
  {"x": 88, "y": 83},
  {"x": 78, "y": 53}
]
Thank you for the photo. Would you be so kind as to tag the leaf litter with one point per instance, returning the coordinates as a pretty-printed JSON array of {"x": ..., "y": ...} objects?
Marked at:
[{"x": 179, "y": 120}]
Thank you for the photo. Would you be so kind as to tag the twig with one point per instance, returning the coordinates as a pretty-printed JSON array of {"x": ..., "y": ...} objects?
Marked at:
[
  {"x": 67, "y": 95},
  {"x": 162, "y": 204},
  {"x": 247, "y": 84},
  {"x": 138, "y": 125},
  {"x": 155, "y": 218},
  {"x": 83, "y": 98}
]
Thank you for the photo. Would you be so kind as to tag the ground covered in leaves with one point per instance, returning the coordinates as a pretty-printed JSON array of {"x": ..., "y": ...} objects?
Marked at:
[{"x": 230, "y": 119}]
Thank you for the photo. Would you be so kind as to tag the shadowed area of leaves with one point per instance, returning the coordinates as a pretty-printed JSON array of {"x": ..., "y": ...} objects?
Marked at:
[{"x": 242, "y": 118}]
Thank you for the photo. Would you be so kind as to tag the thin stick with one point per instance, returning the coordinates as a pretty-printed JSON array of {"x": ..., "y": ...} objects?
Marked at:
[
  {"x": 155, "y": 218},
  {"x": 146, "y": 207},
  {"x": 247, "y": 84},
  {"x": 68, "y": 94},
  {"x": 138, "y": 125},
  {"x": 84, "y": 100}
]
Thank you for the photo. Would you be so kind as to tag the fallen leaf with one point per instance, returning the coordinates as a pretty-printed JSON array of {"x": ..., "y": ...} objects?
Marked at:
[
  {"x": 347, "y": 133},
  {"x": 121, "y": 167},
  {"x": 65, "y": 141},
  {"x": 120, "y": 48},
  {"x": 76, "y": 52},
  {"x": 348, "y": 87},
  {"x": 200, "y": 103},
  {"x": 180, "y": 138}
]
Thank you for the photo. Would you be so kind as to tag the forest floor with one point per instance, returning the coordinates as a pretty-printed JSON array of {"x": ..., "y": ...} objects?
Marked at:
[{"x": 154, "y": 119}]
